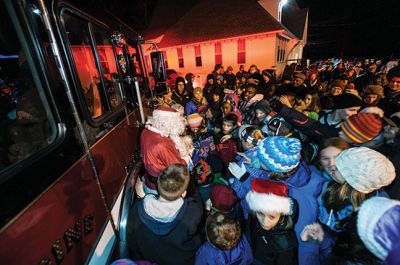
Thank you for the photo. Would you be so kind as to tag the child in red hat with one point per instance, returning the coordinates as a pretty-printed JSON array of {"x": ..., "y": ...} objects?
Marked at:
[{"x": 272, "y": 235}]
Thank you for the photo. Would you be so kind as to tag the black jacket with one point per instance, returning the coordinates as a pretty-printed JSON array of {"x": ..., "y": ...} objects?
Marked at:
[
  {"x": 181, "y": 99},
  {"x": 274, "y": 247}
]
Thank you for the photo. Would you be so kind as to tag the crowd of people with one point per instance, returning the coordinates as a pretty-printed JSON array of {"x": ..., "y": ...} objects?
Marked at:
[{"x": 252, "y": 169}]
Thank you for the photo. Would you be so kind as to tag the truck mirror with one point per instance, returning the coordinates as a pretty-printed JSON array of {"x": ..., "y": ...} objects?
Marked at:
[{"x": 158, "y": 66}]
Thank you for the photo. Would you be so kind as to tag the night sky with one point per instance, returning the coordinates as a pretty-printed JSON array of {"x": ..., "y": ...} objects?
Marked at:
[{"x": 348, "y": 28}]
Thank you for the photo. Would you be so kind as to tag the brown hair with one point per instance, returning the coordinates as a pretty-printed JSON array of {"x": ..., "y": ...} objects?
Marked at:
[
  {"x": 173, "y": 181},
  {"x": 337, "y": 142},
  {"x": 222, "y": 232},
  {"x": 337, "y": 196},
  {"x": 315, "y": 104},
  {"x": 278, "y": 176}
]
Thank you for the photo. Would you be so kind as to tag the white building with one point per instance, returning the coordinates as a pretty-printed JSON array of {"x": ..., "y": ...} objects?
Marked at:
[{"x": 234, "y": 33}]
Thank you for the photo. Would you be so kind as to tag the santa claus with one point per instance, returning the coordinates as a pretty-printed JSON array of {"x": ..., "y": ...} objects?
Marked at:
[{"x": 161, "y": 143}]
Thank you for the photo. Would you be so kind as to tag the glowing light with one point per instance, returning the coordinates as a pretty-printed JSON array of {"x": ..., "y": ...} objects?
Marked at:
[
  {"x": 283, "y": 2},
  {"x": 36, "y": 11}
]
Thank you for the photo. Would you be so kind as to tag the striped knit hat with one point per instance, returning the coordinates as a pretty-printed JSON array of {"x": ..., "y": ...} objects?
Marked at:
[
  {"x": 194, "y": 120},
  {"x": 362, "y": 127}
]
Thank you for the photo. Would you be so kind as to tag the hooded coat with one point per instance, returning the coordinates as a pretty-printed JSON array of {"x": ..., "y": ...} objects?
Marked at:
[
  {"x": 170, "y": 242},
  {"x": 240, "y": 255},
  {"x": 305, "y": 185}
]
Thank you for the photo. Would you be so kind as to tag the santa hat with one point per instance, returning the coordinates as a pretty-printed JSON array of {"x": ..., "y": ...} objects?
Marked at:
[
  {"x": 378, "y": 223},
  {"x": 362, "y": 127},
  {"x": 194, "y": 120},
  {"x": 268, "y": 196},
  {"x": 165, "y": 112}
]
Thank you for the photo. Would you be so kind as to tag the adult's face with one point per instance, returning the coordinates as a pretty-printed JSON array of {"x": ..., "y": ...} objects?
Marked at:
[
  {"x": 210, "y": 81},
  {"x": 337, "y": 91},
  {"x": 249, "y": 93},
  {"x": 297, "y": 81},
  {"x": 181, "y": 87},
  {"x": 395, "y": 83},
  {"x": 346, "y": 113},
  {"x": 252, "y": 70}
]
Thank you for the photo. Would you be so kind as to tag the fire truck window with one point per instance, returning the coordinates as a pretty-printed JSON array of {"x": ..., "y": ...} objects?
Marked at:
[
  {"x": 26, "y": 124},
  {"x": 78, "y": 35},
  {"x": 108, "y": 66}
]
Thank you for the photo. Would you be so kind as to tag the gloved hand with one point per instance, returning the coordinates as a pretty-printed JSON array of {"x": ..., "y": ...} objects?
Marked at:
[{"x": 236, "y": 170}]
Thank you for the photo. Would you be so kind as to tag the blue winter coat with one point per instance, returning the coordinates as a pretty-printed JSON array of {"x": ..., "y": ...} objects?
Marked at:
[
  {"x": 208, "y": 254},
  {"x": 304, "y": 186}
]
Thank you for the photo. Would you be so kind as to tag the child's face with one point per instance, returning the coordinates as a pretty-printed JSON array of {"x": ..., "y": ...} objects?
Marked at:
[
  {"x": 215, "y": 97},
  {"x": 227, "y": 127},
  {"x": 226, "y": 108},
  {"x": 260, "y": 115},
  {"x": 268, "y": 220},
  {"x": 198, "y": 96}
]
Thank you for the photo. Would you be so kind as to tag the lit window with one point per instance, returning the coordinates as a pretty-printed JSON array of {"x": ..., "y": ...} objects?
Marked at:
[
  {"x": 241, "y": 53},
  {"x": 218, "y": 53},
  {"x": 180, "y": 58},
  {"x": 197, "y": 54}
]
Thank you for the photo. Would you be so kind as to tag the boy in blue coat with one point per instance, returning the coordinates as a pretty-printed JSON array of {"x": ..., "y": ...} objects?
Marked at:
[{"x": 225, "y": 243}]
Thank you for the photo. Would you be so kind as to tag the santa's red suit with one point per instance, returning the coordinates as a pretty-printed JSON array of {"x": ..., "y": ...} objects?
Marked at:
[{"x": 157, "y": 147}]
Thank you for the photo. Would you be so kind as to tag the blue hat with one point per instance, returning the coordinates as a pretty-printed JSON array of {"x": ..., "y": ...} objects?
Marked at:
[
  {"x": 378, "y": 223},
  {"x": 279, "y": 154}
]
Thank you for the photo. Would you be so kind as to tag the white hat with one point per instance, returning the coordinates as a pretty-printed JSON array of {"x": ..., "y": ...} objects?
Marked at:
[{"x": 365, "y": 169}]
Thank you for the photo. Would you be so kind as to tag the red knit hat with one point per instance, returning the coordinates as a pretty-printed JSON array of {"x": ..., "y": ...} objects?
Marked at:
[
  {"x": 362, "y": 127},
  {"x": 268, "y": 196},
  {"x": 223, "y": 198}
]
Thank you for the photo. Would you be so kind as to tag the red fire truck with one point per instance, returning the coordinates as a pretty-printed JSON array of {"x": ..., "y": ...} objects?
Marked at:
[{"x": 71, "y": 111}]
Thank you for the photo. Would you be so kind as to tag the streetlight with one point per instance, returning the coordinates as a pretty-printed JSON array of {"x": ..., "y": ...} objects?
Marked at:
[{"x": 280, "y": 7}]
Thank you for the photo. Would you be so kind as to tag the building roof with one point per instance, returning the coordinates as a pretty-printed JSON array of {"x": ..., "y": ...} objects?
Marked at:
[{"x": 219, "y": 19}]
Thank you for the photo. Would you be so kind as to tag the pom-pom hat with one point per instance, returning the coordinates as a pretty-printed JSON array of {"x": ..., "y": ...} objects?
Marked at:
[
  {"x": 268, "y": 196},
  {"x": 194, "y": 120},
  {"x": 362, "y": 127},
  {"x": 279, "y": 154},
  {"x": 365, "y": 169}
]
